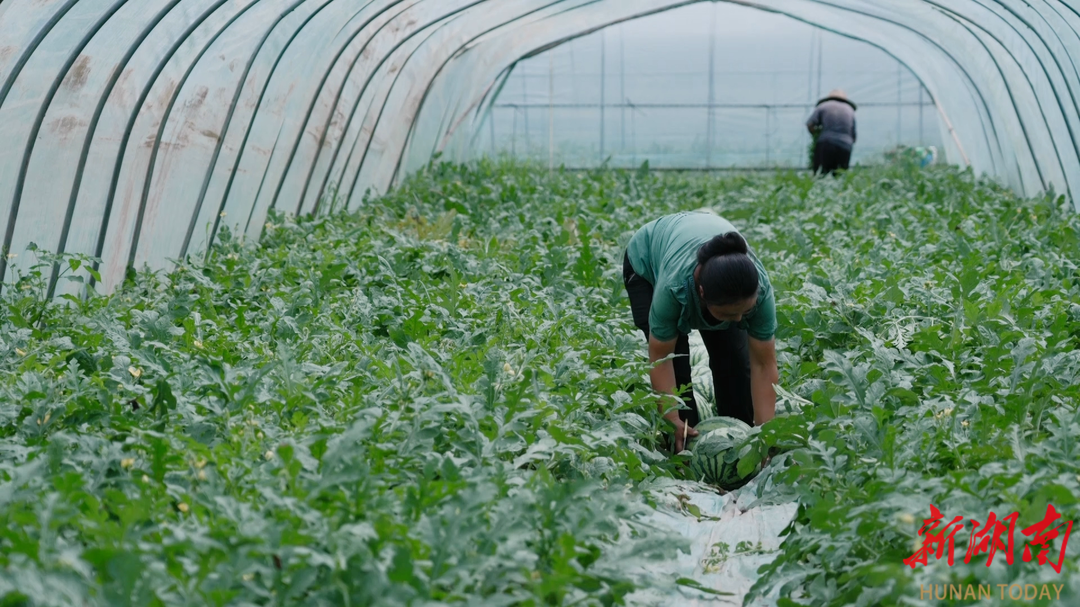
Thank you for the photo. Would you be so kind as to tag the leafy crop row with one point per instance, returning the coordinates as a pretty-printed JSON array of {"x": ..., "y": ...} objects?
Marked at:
[
  {"x": 933, "y": 320},
  {"x": 402, "y": 406},
  {"x": 440, "y": 399}
]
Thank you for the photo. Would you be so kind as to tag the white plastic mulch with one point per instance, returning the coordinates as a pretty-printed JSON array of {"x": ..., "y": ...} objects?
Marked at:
[
  {"x": 730, "y": 535},
  {"x": 716, "y": 559}
]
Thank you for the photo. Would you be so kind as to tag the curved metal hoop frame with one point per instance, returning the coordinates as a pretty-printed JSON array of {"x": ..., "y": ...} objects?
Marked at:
[{"x": 134, "y": 130}]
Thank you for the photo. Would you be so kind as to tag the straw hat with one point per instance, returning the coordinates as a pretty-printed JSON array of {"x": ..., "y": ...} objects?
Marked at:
[{"x": 837, "y": 95}]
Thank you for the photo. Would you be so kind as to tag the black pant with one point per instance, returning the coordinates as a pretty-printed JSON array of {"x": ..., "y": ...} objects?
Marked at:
[
  {"x": 729, "y": 357},
  {"x": 828, "y": 157}
]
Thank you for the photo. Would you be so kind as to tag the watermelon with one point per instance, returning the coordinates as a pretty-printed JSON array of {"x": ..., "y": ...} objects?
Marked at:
[
  {"x": 714, "y": 452},
  {"x": 701, "y": 376},
  {"x": 703, "y": 394},
  {"x": 699, "y": 354}
]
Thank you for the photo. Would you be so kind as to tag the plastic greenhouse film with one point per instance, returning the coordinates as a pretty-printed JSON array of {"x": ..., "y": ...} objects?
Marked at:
[{"x": 138, "y": 135}]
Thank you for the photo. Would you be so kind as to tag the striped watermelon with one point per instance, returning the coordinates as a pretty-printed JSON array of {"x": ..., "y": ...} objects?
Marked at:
[
  {"x": 714, "y": 452},
  {"x": 699, "y": 355},
  {"x": 701, "y": 375},
  {"x": 704, "y": 395}
]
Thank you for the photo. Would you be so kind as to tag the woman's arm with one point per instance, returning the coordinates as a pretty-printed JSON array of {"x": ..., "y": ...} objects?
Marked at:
[
  {"x": 763, "y": 374},
  {"x": 663, "y": 381},
  {"x": 814, "y": 123}
]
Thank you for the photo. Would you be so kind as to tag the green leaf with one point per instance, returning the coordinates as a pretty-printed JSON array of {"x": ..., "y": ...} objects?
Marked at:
[
  {"x": 691, "y": 583},
  {"x": 749, "y": 463}
]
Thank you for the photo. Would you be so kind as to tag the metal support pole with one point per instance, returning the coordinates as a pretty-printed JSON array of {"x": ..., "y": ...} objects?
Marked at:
[
  {"x": 921, "y": 140},
  {"x": 768, "y": 135},
  {"x": 952, "y": 131},
  {"x": 603, "y": 82},
  {"x": 551, "y": 111},
  {"x": 622, "y": 91},
  {"x": 820, "y": 52},
  {"x": 899, "y": 100},
  {"x": 525, "y": 107},
  {"x": 710, "y": 116}
]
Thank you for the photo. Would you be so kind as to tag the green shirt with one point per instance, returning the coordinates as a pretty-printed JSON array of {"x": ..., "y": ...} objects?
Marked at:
[{"x": 664, "y": 253}]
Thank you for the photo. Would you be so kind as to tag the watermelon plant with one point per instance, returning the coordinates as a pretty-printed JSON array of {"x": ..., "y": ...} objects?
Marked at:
[
  {"x": 432, "y": 401},
  {"x": 932, "y": 320},
  {"x": 440, "y": 398}
]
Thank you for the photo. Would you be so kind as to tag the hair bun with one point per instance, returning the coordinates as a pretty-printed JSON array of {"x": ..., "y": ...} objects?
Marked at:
[{"x": 722, "y": 244}]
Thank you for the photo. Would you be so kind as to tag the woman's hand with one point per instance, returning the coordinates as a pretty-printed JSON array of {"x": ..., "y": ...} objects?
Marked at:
[
  {"x": 683, "y": 431},
  {"x": 662, "y": 376}
]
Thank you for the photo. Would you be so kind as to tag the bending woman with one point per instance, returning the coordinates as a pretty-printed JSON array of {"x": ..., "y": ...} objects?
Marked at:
[{"x": 695, "y": 271}]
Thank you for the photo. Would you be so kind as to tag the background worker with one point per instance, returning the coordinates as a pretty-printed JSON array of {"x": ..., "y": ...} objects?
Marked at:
[
  {"x": 695, "y": 271},
  {"x": 833, "y": 125}
]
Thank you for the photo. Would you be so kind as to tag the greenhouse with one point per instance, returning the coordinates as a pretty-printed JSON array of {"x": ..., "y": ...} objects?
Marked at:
[{"x": 373, "y": 302}]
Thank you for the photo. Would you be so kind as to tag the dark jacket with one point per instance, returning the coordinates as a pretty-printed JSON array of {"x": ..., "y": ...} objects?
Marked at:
[{"x": 836, "y": 120}]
